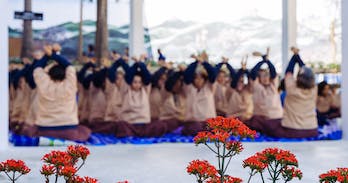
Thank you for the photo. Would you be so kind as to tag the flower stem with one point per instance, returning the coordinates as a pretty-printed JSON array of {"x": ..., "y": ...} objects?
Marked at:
[
  {"x": 250, "y": 175},
  {"x": 263, "y": 180},
  {"x": 13, "y": 177}
]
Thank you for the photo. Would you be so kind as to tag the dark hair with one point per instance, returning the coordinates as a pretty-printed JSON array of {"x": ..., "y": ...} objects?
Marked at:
[
  {"x": 90, "y": 47},
  {"x": 282, "y": 85},
  {"x": 305, "y": 78},
  {"x": 57, "y": 73},
  {"x": 321, "y": 87},
  {"x": 99, "y": 79},
  {"x": 172, "y": 79}
]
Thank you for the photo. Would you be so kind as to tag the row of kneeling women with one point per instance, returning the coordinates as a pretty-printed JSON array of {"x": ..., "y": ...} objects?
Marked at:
[{"x": 52, "y": 99}]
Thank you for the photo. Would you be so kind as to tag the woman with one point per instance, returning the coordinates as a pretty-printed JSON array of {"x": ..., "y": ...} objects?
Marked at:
[
  {"x": 266, "y": 100},
  {"x": 135, "y": 108},
  {"x": 199, "y": 78},
  {"x": 240, "y": 101},
  {"x": 299, "y": 120},
  {"x": 56, "y": 99},
  {"x": 222, "y": 86}
]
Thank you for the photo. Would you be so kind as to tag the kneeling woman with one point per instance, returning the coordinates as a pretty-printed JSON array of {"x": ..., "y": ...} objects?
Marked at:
[
  {"x": 135, "y": 108},
  {"x": 199, "y": 78},
  {"x": 56, "y": 100},
  {"x": 299, "y": 120}
]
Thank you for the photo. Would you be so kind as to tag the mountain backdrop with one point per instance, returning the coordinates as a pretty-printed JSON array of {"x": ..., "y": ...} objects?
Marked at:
[{"x": 179, "y": 39}]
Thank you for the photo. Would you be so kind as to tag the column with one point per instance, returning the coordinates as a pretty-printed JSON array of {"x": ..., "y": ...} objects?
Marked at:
[
  {"x": 136, "y": 29},
  {"x": 289, "y": 30}
]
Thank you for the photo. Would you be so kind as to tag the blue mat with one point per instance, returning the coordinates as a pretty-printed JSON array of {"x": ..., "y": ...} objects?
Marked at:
[{"x": 327, "y": 132}]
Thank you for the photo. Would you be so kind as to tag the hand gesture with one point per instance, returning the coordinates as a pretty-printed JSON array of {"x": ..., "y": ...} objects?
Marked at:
[
  {"x": 295, "y": 50},
  {"x": 224, "y": 59},
  {"x": 48, "y": 50},
  {"x": 244, "y": 62},
  {"x": 56, "y": 47}
]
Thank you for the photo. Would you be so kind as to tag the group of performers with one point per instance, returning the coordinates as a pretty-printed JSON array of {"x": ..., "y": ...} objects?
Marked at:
[{"x": 48, "y": 97}]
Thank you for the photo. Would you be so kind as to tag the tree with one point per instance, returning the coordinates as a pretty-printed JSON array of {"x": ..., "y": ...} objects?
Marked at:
[
  {"x": 27, "y": 40},
  {"x": 80, "y": 43},
  {"x": 102, "y": 34}
]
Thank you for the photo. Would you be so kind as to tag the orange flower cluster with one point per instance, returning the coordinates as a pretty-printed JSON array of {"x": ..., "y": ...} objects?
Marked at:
[
  {"x": 58, "y": 158},
  {"x": 78, "y": 151},
  {"x": 48, "y": 170},
  {"x": 231, "y": 125},
  {"x": 255, "y": 162},
  {"x": 339, "y": 175},
  {"x": 78, "y": 179},
  {"x": 220, "y": 135},
  {"x": 277, "y": 160},
  {"x": 290, "y": 173},
  {"x": 227, "y": 179},
  {"x": 64, "y": 163},
  {"x": 282, "y": 156},
  {"x": 14, "y": 166},
  {"x": 222, "y": 129},
  {"x": 202, "y": 169}
]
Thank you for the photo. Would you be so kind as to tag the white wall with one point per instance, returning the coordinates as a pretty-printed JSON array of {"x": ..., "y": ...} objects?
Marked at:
[
  {"x": 344, "y": 68},
  {"x": 4, "y": 15}
]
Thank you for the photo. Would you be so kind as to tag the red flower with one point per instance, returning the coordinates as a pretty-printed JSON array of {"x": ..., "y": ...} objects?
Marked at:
[
  {"x": 227, "y": 179},
  {"x": 126, "y": 181},
  {"x": 232, "y": 126},
  {"x": 202, "y": 137},
  {"x": 12, "y": 165},
  {"x": 47, "y": 170},
  {"x": 78, "y": 151},
  {"x": 90, "y": 180},
  {"x": 201, "y": 169},
  {"x": 77, "y": 179},
  {"x": 282, "y": 156},
  {"x": 67, "y": 171},
  {"x": 290, "y": 173},
  {"x": 234, "y": 146},
  {"x": 340, "y": 175},
  {"x": 255, "y": 162},
  {"x": 58, "y": 158}
]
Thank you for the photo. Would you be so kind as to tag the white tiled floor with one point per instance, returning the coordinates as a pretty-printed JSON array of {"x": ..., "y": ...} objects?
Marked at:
[{"x": 166, "y": 163}]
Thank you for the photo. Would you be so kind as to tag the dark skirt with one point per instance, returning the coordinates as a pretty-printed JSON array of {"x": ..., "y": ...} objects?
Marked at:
[
  {"x": 153, "y": 129},
  {"x": 171, "y": 124},
  {"x": 75, "y": 133},
  {"x": 191, "y": 128},
  {"x": 104, "y": 127},
  {"x": 274, "y": 128},
  {"x": 324, "y": 116}
]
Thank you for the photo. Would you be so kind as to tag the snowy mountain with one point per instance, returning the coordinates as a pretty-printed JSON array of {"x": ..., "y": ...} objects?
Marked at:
[{"x": 179, "y": 39}]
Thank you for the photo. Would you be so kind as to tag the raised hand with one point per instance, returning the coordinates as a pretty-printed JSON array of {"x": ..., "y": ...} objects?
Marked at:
[
  {"x": 257, "y": 54},
  {"x": 135, "y": 59},
  {"x": 204, "y": 56},
  {"x": 224, "y": 59},
  {"x": 116, "y": 56},
  {"x": 48, "y": 50},
  {"x": 295, "y": 50},
  {"x": 244, "y": 62},
  {"x": 56, "y": 47}
]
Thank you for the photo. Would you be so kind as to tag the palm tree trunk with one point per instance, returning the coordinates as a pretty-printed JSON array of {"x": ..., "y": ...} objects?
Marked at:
[
  {"x": 27, "y": 39},
  {"x": 80, "y": 43},
  {"x": 101, "y": 37}
]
